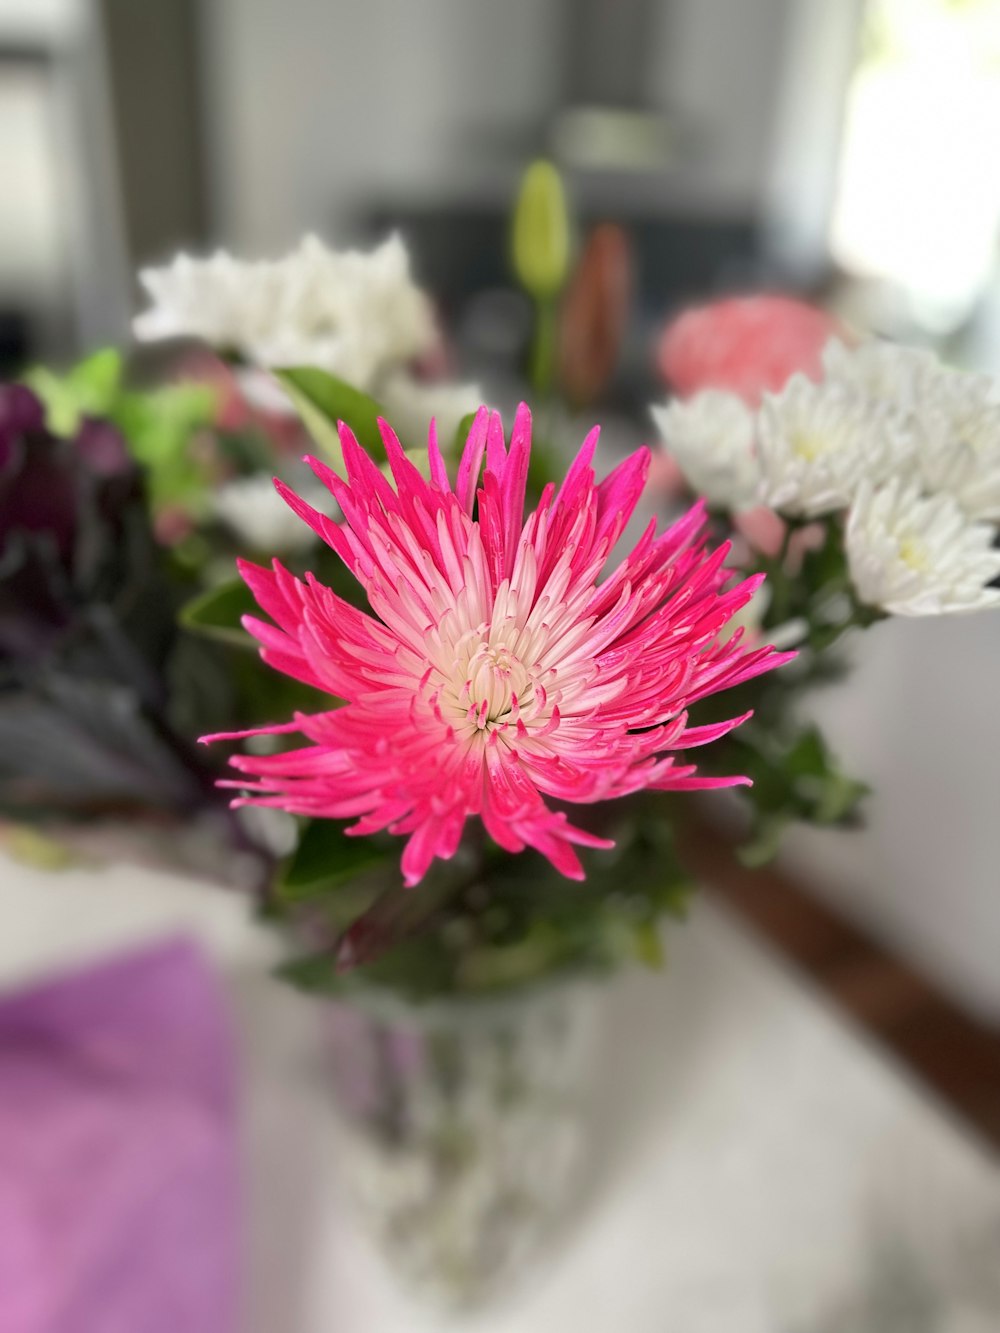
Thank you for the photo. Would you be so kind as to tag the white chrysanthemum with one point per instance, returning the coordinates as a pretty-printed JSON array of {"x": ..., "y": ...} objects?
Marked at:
[
  {"x": 352, "y": 313},
  {"x": 916, "y": 555},
  {"x": 960, "y": 441},
  {"x": 257, "y": 516},
  {"x": 711, "y": 436},
  {"x": 881, "y": 370},
  {"x": 816, "y": 442},
  {"x": 954, "y": 416},
  {"x": 410, "y": 404}
]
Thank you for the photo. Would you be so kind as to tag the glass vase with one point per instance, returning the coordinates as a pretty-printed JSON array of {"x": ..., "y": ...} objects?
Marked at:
[{"x": 463, "y": 1129}]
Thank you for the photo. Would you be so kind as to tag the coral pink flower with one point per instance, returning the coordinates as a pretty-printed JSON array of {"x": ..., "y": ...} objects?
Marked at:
[
  {"x": 494, "y": 670},
  {"x": 749, "y": 345}
]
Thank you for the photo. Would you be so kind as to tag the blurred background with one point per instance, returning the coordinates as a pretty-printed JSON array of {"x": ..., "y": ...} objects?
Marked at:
[
  {"x": 844, "y": 152},
  {"x": 847, "y": 152}
]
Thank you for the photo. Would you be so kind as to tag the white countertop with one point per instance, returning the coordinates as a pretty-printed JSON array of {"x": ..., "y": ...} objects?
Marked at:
[{"x": 758, "y": 1167}]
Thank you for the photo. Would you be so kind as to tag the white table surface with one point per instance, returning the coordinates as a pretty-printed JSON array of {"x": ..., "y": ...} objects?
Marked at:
[{"x": 758, "y": 1168}]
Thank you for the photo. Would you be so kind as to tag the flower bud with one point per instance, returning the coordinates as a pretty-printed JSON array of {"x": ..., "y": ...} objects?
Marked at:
[{"x": 540, "y": 237}]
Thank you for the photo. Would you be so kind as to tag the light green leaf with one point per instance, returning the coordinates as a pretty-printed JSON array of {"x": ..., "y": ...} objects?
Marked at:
[
  {"x": 765, "y": 842},
  {"x": 90, "y": 388},
  {"x": 322, "y": 400},
  {"x": 840, "y": 799}
]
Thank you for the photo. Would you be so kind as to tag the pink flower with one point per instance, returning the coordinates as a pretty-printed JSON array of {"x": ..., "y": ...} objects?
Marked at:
[
  {"x": 749, "y": 345},
  {"x": 765, "y": 531},
  {"x": 494, "y": 670}
]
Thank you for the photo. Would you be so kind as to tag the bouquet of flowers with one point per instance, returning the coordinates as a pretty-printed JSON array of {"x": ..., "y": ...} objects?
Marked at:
[
  {"x": 462, "y": 695},
  {"x": 448, "y": 615},
  {"x": 473, "y": 673}
]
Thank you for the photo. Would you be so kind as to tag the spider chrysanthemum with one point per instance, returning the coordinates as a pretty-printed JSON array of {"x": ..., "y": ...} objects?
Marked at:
[{"x": 494, "y": 669}]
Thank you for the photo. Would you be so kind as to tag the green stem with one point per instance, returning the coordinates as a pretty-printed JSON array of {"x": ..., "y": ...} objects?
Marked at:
[
  {"x": 541, "y": 368},
  {"x": 791, "y": 528}
]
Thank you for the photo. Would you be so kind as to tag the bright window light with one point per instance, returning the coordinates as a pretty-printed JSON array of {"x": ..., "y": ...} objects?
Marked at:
[{"x": 918, "y": 199}]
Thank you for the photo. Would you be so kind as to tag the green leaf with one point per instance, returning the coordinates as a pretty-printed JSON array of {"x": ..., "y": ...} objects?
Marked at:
[
  {"x": 319, "y": 427},
  {"x": 796, "y": 777},
  {"x": 331, "y": 570},
  {"x": 218, "y": 612},
  {"x": 839, "y": 799},
  {"x": 827, "y": 794},
  {"x": 809, "y": 756},
  {"x": 90, "y": 388},
  {"x": 544, "y": 466},
  {"x": 322, "y": 400},
  {"x": 486, "y": 922},
  {"x": 316, "y": 974},
  {"x": 159, "y": 427},
  {"x": 99, "y": 374},
  {"x": 325, "y": 858}
]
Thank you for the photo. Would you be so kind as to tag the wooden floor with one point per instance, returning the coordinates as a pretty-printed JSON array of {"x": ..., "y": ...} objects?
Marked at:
[{"x": 945, "y": 1048}]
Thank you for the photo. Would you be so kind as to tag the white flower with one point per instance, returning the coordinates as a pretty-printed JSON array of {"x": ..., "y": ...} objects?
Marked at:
[
  {"x": 218, "y": 299},
  {"x": 960, "y": 442},
  {"x": 711, "y": 435},
  {"x": 916, "y": 555},
  {"x": 410, "y": 404},
  {"x": 258, "y": 517},
  {"x": 816, "y": 442},
  {"x": 349, "y": 312},
  {"x": 881, "y": 370},
  {"x": 954, "y": 417}
]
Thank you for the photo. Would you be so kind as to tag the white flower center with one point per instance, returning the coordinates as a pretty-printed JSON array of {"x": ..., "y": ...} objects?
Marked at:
[
  {"x": 493, "y": 675},
  {"x": 497, "y": 680}
]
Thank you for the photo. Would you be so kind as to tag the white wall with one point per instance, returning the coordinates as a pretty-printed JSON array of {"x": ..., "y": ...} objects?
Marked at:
[{"x": 920, "y": 720}]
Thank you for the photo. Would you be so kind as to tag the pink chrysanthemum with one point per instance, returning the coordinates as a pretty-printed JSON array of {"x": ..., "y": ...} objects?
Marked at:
[{"x": 494, "y": 670}]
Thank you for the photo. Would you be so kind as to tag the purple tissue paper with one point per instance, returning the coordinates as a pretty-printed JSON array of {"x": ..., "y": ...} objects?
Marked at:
[{"x": 118, "y": 1151}]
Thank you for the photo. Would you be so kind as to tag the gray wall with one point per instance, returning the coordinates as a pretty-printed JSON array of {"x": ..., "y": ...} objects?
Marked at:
[{"x": 313, "y": 106}]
